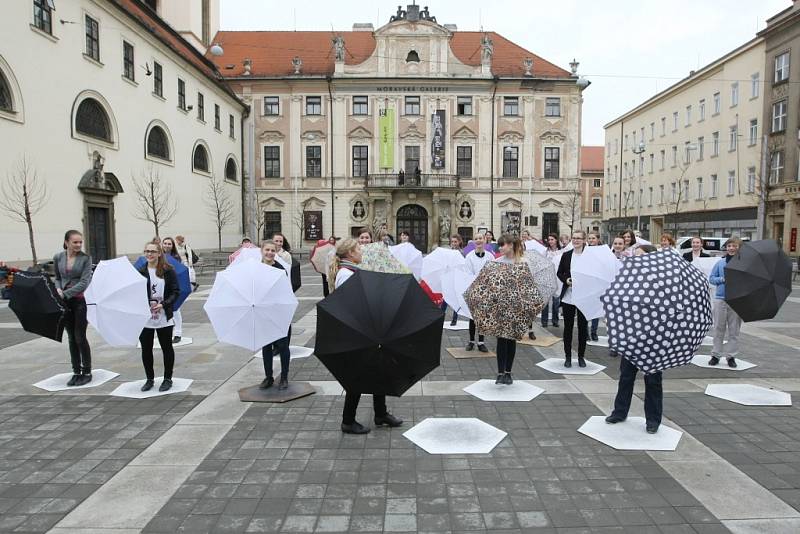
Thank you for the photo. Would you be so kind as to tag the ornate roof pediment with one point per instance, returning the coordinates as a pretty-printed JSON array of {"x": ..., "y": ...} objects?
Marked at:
[
  {"x": 509, "y": 203},
  {"x": 551, "y": 202},
  {"x": 553, "y": 136},
  {"x": 412, "y": 132},
  {"x": 359, "y": 132},
  {"x": 271, "y": 136},
  {"x": 511, "y": 136},
  {"x": 312, "y": 135},
  {"x": 465, "y": 133}
]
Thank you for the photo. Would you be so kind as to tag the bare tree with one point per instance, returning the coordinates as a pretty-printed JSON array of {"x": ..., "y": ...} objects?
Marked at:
[
  {"x": 220, "y": 206},
  {"x": 680, "y": 197},
  {"x": 572, "y": 208},
  {"x": 23, "y": 195},
  {"x": 155, "y": 202}
]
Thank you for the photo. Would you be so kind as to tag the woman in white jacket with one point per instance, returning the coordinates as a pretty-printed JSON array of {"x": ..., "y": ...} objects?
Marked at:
[
  {"x": 476, "y": 259},
  {"x": 186, "y": 254}
]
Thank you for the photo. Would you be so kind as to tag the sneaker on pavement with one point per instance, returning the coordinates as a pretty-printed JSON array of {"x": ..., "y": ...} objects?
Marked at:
[
  {"x": 482, "y": 347},
  {"x": 713, "y": 361},
  {"x": 732, "y": 363}
]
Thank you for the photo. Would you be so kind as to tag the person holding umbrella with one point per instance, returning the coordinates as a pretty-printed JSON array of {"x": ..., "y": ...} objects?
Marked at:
[
  {"x": 553, "y": 254},
  {"x": 511, "y": 251},
  {"x": 170, "y": 249},
  {"x": 344, "y": 265},
  {"x": 456, "y": 243},
  {"x": 162, "y": 291},
  {"x": 73, "y": 269},
  {"x": 570, "y": 311},
  {"x": 405, "y": 237},
  {"x": 697, "y": 250},
  {"x": 364, "y": 236},
  {"x": 593, "y": 240},
  {"x": 269, "y": 250},
  {"x": 725, "y": 319},
  {"x": 476, "y": 259}
]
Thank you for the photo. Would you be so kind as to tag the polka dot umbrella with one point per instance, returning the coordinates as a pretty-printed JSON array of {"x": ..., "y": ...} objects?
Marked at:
[{"x": 657, "y": 310}]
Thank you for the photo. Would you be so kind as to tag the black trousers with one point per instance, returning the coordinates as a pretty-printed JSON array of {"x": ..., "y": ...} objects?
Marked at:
[
  {"x": 282, "y": 346},
  {"x": 653, "y": 393},
  {"x": 325, "y": 289},
  {"x": 506, "y": 350},
  {"x": 351, "y": 405},
  {"x": 472, "y": 332},
  {"x": 165, "y": 341},
  {"x": 569, "y": 311},
  {"x": 75, "y": 324}
]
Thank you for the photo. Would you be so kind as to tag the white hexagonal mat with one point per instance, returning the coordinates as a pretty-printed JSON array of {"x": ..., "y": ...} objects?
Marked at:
[
  {"x": 602, "y": 341},
  {"x": 132, "y": 390},
  {"x": 445, "y": 435},
  {"x": 59, "y": 382},
  {"x": 630, "y": 435},
  {"x": 556, "y": 365},
  {"x": 295, "y": 352},
  {"x": 460, "y": 325},
  {"x": 749, "y": 395},
  {"x": 519, "y": 391},
  {"x": 701, "y": 360}
]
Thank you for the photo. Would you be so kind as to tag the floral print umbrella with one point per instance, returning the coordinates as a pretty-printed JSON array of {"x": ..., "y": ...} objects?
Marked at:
[{"x": 377, "y": 258}]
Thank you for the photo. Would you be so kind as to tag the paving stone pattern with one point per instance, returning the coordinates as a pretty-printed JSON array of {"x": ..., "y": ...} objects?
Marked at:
[
  {"x": 763, "y": 442},
  {"x": 290, "y": 469},
  {"x": 55, "y": 451}
]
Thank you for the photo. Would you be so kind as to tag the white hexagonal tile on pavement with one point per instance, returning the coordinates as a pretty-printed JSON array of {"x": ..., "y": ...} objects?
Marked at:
[
  {"x": 519, "y": 391},
  {"x": 701, "y": 360},
  {"x": 59, "y": 382},
  {"x": 295, "y": 352},
  {"x": 749, "y": 395},
  {"x": 630, "y": 435},
  {"x": 132, "y": 390},
  {"x": 556, "y": 365},
  {"x": 602, "y": 341},
  {"x": 445, "y": 435},
  {"x": 460, "y": 325}
]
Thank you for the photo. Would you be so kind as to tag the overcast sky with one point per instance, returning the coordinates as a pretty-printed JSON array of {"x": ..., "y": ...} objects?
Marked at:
[{"x": 628, "y": 49}]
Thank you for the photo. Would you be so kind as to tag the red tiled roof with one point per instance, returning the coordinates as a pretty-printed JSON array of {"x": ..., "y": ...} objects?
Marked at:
[
  {"x": 272, "y": 52},
  {"x": 592, "y": 158}
]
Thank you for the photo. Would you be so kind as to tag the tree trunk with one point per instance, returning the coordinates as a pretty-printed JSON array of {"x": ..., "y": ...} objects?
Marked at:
[
  {"x": 29, "y": 221},
  {"x": 219, "y": 238},
  {"x": 33, "y": 245}
]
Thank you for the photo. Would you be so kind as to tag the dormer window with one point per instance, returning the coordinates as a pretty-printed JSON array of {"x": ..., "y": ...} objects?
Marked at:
[{"x": 412, "y": 57}]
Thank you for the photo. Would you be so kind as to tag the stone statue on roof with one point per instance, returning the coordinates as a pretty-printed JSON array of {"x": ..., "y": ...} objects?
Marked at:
[
  {"x": 426, "y": 15},
  {"x": 401, "y": 14},
  {"x": 487, "y": 48},
  {"x": 338, "y": 47}
]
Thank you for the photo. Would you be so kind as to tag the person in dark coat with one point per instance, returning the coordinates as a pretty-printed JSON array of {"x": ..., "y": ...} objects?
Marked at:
[
  {"x": 162, "y": 292},
  {"x": 697, "y": 250},
  {"x": 569, "y": 310}
]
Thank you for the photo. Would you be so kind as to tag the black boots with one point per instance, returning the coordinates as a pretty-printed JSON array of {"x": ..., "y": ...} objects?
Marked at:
[
  {"x": 567, "y": 361},
  {"x": 148, "y": 385},
  {"x": 166, "y": 385}
]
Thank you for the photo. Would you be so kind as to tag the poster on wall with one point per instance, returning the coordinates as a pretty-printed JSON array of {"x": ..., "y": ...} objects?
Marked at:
[
  {"x": 386, "y": 138},
  {"x": 312, "y": 225},
  {"x": 510, "y": 221},
  {"x": 437, "y": 143}
]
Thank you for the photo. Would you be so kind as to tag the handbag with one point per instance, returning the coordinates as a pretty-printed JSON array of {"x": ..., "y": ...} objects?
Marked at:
[{"x": 195, "y": 257}]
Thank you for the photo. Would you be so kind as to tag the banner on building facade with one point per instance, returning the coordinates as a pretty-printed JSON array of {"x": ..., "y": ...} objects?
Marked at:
[
  {"x": 312, "y": 225},
  {"x": 510, "y": 222},
  {"x": 386, "y": 138},
  {"x": 437, "y": 143}
]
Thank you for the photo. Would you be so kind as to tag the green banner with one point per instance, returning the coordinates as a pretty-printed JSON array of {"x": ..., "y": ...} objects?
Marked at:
[{"x": 386, "y": 128}]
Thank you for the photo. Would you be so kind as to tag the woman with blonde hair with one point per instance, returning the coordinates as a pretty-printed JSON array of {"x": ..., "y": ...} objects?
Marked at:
[
  {"x": 511, "y": 251},
  {"x": 344, "y": 265}
]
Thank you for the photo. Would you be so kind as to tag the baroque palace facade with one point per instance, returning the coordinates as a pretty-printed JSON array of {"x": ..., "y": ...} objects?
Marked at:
[{"x": 415, "y": 125}]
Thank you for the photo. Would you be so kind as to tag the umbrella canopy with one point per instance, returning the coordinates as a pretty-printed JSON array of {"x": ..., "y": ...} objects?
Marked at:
[
  {"x": 758, "y": 280},
  {"x": 321, "y": 257},
  {"x": 437, "y": 262},
  {"x": 235, "y": 255},
  {"x": 657, "y": 311},
  {"x": 35, "y": 302},
  {"x": 376, "y": 257},
  {"x": 251, "y": 305},
  {"x": 592, "y": 273},
  {"x": 455, "y": 283},
  {"x": 379, "y": 333},
  {"x": 544, "y": 274},
  {"x": 504, "y": 300},
  {"x": 535, "y": 246},
  {"x": 410, "y": 256},
  {"x": 181, "y": 271},
  {"x": 116, "y": 302},
  {"x": 245, "y": 254}
]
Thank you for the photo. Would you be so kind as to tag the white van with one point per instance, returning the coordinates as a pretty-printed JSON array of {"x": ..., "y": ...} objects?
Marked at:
[{"x": 714, "y": 246}]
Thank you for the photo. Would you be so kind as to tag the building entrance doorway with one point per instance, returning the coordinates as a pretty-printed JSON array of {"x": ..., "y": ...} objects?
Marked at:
[
  {"x": 414, "y": 220},
  {"x": 549, "y": 224}
]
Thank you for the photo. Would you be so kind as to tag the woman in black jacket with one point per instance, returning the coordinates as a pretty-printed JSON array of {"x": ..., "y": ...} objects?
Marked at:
[
  {"x": 569, "y": 309},
  {"x": 697, "y": 250},
  {"x": 162, "y": 292}
]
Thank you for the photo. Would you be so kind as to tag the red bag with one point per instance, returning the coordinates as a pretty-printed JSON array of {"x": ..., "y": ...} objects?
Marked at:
[{"x": 436, "y": 298}]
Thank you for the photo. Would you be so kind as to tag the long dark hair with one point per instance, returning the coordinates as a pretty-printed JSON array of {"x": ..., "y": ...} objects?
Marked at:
[
  {"x": 173, "y": 252},
  {"x": 633, "y": 236},
  {"x": 162, "y": 264},
  {"x": 558, "y": 243},
  {"x": 286, "y": 245},
  {"x": 68, "y": 236}
]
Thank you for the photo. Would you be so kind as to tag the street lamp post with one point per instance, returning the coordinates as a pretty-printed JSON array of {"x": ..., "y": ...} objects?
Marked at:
[{"x": 638, "y": 151}]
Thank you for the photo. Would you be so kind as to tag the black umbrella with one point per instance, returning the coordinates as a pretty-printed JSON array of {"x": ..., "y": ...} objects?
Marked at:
[
  {"x": 758, "y": 280},
  {"x": 294, "y": 275},
  {"x": 657, "y": 311},
  {"x": 37, "y": 305},
  {"x": 379, "y": 333}
]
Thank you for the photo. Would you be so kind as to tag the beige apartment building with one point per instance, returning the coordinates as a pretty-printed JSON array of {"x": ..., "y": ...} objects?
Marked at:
[
  {"x": 591, "y": 188},
  {"x": 415, "y": 125},
  {"x": 688, "y": 160}
]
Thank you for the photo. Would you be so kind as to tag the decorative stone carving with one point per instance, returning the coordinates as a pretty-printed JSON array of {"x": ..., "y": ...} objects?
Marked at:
[
  {"x": 527, "y": 64},
  {"x": 248, "y": 66},
  {"x": 338, "y": 47},
  {"x": 466, "y": 208},
  {"x": 359, "y": 132},
  {"x": 465, "y": 133},
  {"x": 413, "y": 132},
  {"x": 511, "y": 136},
  {"x": 487, "y": 49},
  {"x": 444, "y": 226},
  {"x": 312, "y": 135},
  {"x": 358, "y": 209},
  {"x": 271, "y": 136},
  {"x": 297, "y": 64},
  {"x": 553, "y": 136}
]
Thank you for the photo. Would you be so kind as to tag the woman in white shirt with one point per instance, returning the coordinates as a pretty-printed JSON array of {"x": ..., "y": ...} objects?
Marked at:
[
  {"x": 162, "y": 291},
  {"x": 511, "y": 251},
  {"x": 476, "y": 259}
]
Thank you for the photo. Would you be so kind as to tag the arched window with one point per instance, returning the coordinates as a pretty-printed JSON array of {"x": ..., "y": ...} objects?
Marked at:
[
  {"x": 6, "y": 101},
  {"x": 92, "y": 120},
  {"x": 230, "y": 170},
  {"x": 412, "y": 57},
  {"x": 158, "y": 143},
  {"x": 200, "y": 159}
]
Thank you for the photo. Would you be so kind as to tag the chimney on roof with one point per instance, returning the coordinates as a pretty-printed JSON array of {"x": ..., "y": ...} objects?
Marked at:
[
  {"x": 363, "y": 27},
  {"x": 451, "y": 27}
]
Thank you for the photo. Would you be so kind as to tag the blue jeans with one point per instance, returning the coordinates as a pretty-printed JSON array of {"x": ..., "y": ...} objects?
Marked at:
[
  {"x": 282, "y": 345},
  {"x": 554, "y": 303},
  {"x": 653, "y": 393}
]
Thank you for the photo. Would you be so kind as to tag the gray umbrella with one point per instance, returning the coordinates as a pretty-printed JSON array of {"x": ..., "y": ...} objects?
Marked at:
[{"x": 543, "y": 272}]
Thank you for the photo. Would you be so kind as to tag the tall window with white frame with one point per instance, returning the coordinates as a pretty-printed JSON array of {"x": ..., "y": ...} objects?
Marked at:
[
  {"x": 675, "y": 121},
  {"x": 674, "y": 155},
  {"x": 43, "y": 16},
  {"x": 755, "y": 85},
  {"x": 510, "y": 162},
  {"x": 734, "y": 94},
  {"x": 781, "y": 67},
  {"x": 717, "y": 103},
  {"x": 714, "y": 187},
  {"x": 685, "y": 191},
  {"x": 412, "y": 105},
  {"x": 92, "y": 31},
  {"x": 272, "y": 106},
  {"x": 733, "y": 135},
  {"x": 752, "y": 132},
  {"x": 217, "y": 119},
  {"x": 652, "y": 131},
  {"x": 663, "y": 126},
  {"x": 511, "y": 106},
  {"x": 313, "y": 105},
  {"x": 360, "y": 105},
  {"x": 700, "y": 194},
  {"x": 661, "y": 194},
  {"x": 360, "y": 161},
  {"x": 272, "y": 162},
  {"x": 715, "y": 144},
  {"x": 688, "y": 115},
  {"x": 464, "y": 161},
  {"x": 464, "y": 105},
  {"x": 650, "y": 196},
  {"x": 552, "y": 163},
  {"x": 663, "y": 159},
  {"x": 128, "y": 61},
  {"x": 181, "y": 94},
  {"x": 552, "y": 106},
  {"x": 701, "y": 109},
  {"x": 201, "y": 107},
  {"x": 751, "y": 180},
  {"x": 701, "y": 148},
  {"x": 779, "y": 113},
  {"x": 313, "y": 161},
  {"x": 596, "y": 205},
  {"x": 231, "y": 127},
  {"x": 412, "y": 159},
  {"x": 158, "y": 79},
  {"x": 776, "y": 167},
  {"x": 731, "y": 183}
]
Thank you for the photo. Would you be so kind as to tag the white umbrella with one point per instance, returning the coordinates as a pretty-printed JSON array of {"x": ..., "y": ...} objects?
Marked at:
[
  {"x": 592, "y": 274},
  {"x": 534, "y": 245},
  {"x": 117, "y": 303},
  {"x": 251, "y": 305},
  {"x": 455, "y": 282},
  {"x": 705, "y": 265},
  {"x": 247, "y": 254},
  {"x": 410, "y": 256},
  {"x": 436, "y": 263}
]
